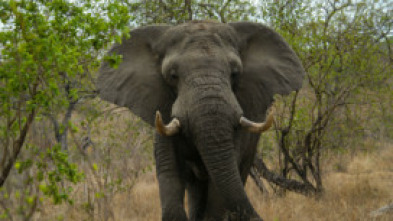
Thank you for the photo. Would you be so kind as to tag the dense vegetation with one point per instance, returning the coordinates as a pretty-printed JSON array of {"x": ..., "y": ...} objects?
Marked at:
[{"x": 58, "y": 140}]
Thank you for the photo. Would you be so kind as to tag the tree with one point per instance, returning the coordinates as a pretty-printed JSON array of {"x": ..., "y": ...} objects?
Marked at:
[
  {"x": 179, "y": 11},
  {"x": 339, "y": 43},
  {"x": 49, "y": 50}
]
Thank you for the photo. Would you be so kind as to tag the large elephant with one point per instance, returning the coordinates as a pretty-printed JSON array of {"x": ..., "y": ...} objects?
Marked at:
[{"x": 213, "y": 83}]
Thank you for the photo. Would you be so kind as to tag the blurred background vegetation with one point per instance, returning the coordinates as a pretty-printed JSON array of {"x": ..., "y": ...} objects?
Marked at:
[{"x": 65, "y": 152}]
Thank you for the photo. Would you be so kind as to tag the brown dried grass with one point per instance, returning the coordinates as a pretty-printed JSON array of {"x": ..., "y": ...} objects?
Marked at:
[{"x": 366, "y": 186}]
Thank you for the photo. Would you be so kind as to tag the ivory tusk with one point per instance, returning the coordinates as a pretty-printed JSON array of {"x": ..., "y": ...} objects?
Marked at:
[
  {"x": 257, "y": 127},
  {"x": 167, "y": 130}
]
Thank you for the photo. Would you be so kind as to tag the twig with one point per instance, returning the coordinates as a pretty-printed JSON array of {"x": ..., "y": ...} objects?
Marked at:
[{"x": 256, "y": 177}]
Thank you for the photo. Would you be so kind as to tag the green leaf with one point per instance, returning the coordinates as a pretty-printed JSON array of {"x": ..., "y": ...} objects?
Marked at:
[{"x": 95, "y": 167}]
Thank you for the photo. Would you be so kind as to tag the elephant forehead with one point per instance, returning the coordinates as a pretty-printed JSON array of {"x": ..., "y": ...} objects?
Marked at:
[
  {"x": 201, "y": 55},
  {"x": 209, "y": 44},
  {"x": 214, "y": 32}
]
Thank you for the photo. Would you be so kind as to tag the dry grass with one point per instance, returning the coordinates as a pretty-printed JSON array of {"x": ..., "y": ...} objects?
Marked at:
[
  {"x": 366, "y": 186},
  {"x": 142, "y": 203}
]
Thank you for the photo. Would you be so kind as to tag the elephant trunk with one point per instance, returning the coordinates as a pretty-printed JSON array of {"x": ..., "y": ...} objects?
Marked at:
[
  {"x": 209, "y": 113},
  {"x": 212, "y": 129}
]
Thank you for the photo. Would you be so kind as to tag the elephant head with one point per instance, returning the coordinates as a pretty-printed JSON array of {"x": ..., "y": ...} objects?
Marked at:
[{"x": 208, "y": 80}]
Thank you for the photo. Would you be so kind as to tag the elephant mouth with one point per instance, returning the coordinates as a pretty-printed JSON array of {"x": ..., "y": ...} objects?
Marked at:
[{"x": 173, "y": 127}]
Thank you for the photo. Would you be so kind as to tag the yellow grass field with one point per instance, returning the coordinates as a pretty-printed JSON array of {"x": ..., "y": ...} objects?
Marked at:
[{"x": 365, "y": 186}]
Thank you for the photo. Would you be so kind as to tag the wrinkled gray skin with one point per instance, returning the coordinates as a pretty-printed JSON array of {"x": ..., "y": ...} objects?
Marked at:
[{"x": 207, "y": 75}]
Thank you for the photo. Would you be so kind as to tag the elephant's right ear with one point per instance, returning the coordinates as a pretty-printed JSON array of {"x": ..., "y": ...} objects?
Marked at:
[
  {"x": 270, "y": 67},
  {"x": 137, "y": 82}
]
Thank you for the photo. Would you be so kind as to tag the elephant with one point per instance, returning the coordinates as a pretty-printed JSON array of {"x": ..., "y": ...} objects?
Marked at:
[{"x": 213, "y": 83}]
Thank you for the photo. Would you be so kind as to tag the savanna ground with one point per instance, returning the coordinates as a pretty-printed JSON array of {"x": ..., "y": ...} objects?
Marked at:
[
  {"x": 356, "y": 182},
  {"x": 350, "y": 195}
]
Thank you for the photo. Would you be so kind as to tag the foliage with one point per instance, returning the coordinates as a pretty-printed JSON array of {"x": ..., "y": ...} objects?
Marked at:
[
  {"x": 179, "y": 11},
  {"x": 345, "y": 50},
  {"x": 48, "y": 51},
  {"x": 114, "y": 149}
]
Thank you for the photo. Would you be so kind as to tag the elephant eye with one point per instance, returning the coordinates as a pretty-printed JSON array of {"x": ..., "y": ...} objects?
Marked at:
[
  {"x": 235, "y": 67},
  {"x": 235, "y": 73},
  {"x": 173, "y": 75}
]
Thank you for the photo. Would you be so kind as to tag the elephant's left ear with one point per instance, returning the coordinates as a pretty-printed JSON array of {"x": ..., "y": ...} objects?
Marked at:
[{"x": 270, "y": 67}]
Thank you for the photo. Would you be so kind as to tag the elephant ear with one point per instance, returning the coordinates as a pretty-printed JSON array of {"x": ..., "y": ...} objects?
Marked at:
[
  {"x": 137, "y": 82},
  {"x": 270, "y": 67}
]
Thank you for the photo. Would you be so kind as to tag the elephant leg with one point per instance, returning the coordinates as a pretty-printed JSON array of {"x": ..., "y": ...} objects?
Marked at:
[
  {"x": 171, "y": 185},
  {"x": 197, "y": 199}
]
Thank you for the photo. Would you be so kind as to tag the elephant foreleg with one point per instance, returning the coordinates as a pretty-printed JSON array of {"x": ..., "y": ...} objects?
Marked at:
[{"x": 171, "y": 185}]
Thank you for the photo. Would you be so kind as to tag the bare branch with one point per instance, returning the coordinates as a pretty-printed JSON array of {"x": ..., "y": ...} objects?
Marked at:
[
  {"x": 289, "y": 184},
  {"x": 256, "y": 177}
]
